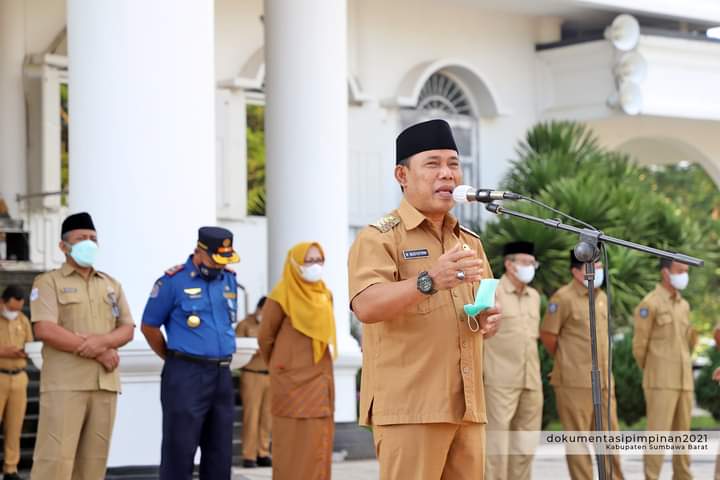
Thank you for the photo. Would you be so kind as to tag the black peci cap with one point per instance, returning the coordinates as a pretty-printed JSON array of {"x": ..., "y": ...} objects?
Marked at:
[
  {"x": 421, "y": 137},
  {"x": 519, "y": 247},
  {"x": 77, "y": 221}
]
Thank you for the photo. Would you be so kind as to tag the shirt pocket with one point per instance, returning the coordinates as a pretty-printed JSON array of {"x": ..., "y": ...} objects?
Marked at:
[
  {"x": 70, "y": 310},
  {"x": 663, "y": 325},
  {"x": 199, "y": 307}
]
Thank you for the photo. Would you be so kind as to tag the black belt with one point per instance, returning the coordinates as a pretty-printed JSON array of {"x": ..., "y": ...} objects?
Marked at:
[
  {"x": 260, "y": 372},
  {"x": 14, "y": 371},
  {"x": 220, "y": 362}
]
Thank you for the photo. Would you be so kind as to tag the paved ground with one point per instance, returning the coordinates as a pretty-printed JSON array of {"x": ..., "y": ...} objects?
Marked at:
[{"x": 544, "y": 467}]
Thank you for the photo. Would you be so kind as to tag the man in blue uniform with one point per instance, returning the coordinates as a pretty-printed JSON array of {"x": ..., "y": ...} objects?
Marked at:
[{"x": 196, "y": 302}]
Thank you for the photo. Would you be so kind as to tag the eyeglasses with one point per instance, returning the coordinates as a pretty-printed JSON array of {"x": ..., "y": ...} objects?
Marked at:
[{"x": 314, "y": 261}]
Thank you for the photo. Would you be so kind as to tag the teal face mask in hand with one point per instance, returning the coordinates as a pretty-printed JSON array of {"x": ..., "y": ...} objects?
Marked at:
[
  {"x": 484, "y": 298},
  {"x": 84, "y": 253}
]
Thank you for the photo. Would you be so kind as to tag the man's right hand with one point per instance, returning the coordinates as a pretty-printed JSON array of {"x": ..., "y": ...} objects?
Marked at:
[
  {"x": 109, "y": 359},
  {"x": 12, "y": 352},
  {"x": 444, "y": 272}
]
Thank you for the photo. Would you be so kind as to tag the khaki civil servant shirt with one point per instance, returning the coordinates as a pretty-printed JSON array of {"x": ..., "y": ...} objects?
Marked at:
[
  {"x": 511, "y": 356},
  {"x": 94, "y": 306},
  {"x": 568, "y": 317},
  {"x": 424, "y": 366},
  {"x": 664, "y": 340},
  {"x": 14, "y": 333}
]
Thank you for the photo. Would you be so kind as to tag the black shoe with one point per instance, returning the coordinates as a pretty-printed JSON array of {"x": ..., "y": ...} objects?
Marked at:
[
  {"x": 264, "y": 462},
  {"x": 12, "y": 476},
  {"x": 249, "y": 463}
]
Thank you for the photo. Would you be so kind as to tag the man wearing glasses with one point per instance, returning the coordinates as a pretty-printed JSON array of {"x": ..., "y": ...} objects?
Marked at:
[{"x": 513, "y": 389}]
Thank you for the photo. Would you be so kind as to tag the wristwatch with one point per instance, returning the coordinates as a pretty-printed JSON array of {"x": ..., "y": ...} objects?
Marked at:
[{"x": 425, "y": 283}]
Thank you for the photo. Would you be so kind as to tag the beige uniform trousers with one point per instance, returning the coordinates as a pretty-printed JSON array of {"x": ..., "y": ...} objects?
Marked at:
[
  {"x": 257, "y": 419},
  {"x": 302, "y": 448},
  {"x": 575, "y": 409},
  {"x": 73, "y": 437},
  {"x": 668, "y": 410},
  {"x": 13, "y": 401},
  {"x": 510, "y": 409},
  {"x": 431, "y": 451}
]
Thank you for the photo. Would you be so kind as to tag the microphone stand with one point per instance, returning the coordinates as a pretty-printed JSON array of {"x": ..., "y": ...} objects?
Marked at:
[{"x": 588, "y": 252}]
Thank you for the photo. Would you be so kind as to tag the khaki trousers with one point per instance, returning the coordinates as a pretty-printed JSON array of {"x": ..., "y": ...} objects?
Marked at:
[
  {"x": 302, "y": 448},
  {"x": 668, "y": 410},
  {"x": 73, "y": 437},
  {"x": 257, "y": 419},
  {"x": 575, "y": 409},
  {"x": 510, "y": 409},
  {"x": 13, "y": 401},
  {"x": 431, "y": 451}
]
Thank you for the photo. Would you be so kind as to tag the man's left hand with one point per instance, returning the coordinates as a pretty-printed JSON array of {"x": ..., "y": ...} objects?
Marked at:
[
  {"x": 92, "y": 346},
  {"x": 489, "y": 321}
]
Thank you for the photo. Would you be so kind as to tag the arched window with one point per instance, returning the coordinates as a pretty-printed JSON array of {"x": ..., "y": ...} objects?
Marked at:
[{"x": 442, "y": 96}]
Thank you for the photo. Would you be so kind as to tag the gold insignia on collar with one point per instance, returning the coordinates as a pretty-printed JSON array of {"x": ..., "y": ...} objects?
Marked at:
[{"x": 386, "y": 223}]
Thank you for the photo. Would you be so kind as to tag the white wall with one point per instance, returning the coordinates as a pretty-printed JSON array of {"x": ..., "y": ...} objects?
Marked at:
[{"x": 238, "y": 34}]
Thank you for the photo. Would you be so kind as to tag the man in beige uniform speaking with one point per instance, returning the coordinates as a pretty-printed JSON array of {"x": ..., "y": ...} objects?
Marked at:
[
  {"x": 662, "y": 345},
  {"x": 513, "y": 388},
  {"x": 410, "y": 275},
  {"x": 565, "y": 332},
  {"x": 82, "y": 317}
]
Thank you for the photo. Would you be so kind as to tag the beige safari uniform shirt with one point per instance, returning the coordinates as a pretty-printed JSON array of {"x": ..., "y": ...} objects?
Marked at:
[
  {"x": 14, "y": 333},
  {"x": 426, "y": 365},
  {"x": 95, "y": 306},
  {"x": 249, "y": 327},
  {"x": 664, "y": 340},
  {"x": 567, "y": 316},
  {"x": 511, "y": 356}
]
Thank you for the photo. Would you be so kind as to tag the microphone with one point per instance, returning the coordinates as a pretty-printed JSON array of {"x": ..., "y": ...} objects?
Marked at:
[{"x": 467, "y": 194}]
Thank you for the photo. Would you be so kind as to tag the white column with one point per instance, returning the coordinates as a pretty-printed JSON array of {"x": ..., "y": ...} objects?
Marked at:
[
  {"x": 13, "y": 176},
  {"x": 306, "y": 121},
  {"x": 142, "y": 161}
]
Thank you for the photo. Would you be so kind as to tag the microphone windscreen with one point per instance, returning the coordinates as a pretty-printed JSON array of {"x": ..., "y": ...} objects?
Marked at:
[{"x": 460, "y": 194}]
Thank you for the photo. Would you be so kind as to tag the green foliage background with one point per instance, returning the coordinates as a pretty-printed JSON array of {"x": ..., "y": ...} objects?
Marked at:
[{"x": 675, "y": 207}]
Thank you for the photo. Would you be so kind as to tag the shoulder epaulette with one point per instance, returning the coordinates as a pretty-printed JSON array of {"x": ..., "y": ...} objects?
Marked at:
[
  {"x": 467, "y": 230},
  {"x": 173, "y": 270},
  {"x": 386, "y": 223}
]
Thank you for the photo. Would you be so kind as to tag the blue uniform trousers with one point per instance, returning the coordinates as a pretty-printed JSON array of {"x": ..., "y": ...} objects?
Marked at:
[{"x": 198, "y": 410}]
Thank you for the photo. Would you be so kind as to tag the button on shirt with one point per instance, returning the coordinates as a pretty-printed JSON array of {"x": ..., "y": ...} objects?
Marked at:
[
  {"x": 511, "y": 356},
  {"x": 568, "y": 317},
  {"x": 176, "y": 297},
  {"x": 663, "y": 340},
  {"x": 425, "y": 365}
]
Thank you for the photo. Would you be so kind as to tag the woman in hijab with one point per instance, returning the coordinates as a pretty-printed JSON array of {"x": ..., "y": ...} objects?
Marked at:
[{"x": 297, "y": 328}]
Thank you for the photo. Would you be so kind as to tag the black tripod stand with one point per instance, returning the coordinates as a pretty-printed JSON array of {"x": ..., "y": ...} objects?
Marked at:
[{"x": 588, "y": 252}]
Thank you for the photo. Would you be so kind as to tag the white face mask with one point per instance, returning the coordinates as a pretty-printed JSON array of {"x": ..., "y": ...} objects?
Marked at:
[
  {"x": 313, "y": 273},
  {"x": 525, "y": 273},
  {"x": 10, "y": 315},
  {"x": 679, "y": 281},
  {"x": 599, "y": 279}
]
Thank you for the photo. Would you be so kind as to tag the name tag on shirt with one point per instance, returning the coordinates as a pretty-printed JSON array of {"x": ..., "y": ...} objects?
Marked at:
[
  {"x": 193, "y": 291},
  {"x": 69, "y": 290},
  {"x": 411, "y": 254}
]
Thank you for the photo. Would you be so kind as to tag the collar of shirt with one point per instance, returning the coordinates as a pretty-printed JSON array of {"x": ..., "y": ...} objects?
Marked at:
[
  {"x": 68, "y": 270},
  {"x": 194, "y": 271},
  {"x": 666, "y": 295},
  {"x": 507, "y": 285},
  {"x": 413, "y": 218}
]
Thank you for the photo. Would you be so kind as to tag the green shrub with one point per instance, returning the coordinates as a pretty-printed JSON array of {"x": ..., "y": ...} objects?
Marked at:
[
  {"x": 549, "y": 410},
  {"x": 707, "y": 390},
  {"x": 628, "y": 382}
]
